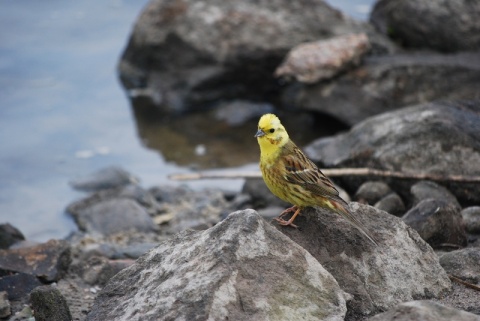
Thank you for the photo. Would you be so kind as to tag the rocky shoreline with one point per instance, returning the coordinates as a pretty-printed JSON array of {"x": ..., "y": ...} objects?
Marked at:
[
  {"x": 140, "y": 250},
  {"x": 174, "y": 253}
]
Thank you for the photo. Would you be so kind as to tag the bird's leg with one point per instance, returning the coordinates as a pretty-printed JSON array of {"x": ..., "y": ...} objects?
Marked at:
[
  {"x": 281, "y": 221},
  {"x": 288, "y": 210}
]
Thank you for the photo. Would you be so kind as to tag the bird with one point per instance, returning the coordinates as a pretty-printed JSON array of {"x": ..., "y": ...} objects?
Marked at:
[{"x": 291, "y": 176}]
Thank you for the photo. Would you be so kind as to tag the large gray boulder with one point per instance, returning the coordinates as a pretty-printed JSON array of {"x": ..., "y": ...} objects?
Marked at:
[
  {"x": 401, "y": 268},
  {"x": 443, "y": 25},
  {"x": 441, "y": 138},
  {"x": 185, "y": 54},
  {"x": 240, "y": 269}
]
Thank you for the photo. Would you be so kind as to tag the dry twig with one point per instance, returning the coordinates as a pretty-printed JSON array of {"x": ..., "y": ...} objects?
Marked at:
[
  {"x": 336, "y": 172},
  {"x": 468, "y": 285}
]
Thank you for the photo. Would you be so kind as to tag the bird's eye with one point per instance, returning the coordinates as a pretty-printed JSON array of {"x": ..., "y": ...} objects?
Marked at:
[{"x": 272, "y": 130}]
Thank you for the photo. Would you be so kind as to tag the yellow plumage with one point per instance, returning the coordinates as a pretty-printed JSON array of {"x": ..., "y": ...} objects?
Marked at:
[{"x": 291, "y": 176}]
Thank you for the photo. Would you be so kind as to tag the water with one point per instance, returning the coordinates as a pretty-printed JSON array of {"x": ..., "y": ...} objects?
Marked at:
[{"x": 63, "y": 113}]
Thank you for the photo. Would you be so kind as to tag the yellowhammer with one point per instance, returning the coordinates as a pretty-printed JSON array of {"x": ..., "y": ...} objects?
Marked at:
[{"x": 291, "y": 176}]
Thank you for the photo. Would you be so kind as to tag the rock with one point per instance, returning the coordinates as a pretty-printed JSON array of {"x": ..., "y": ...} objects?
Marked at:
[
  {"x": 4, "y": 305},
  {"x": 323, "y": 59},
  {"x": 109, "y": 177},
  {"x": 438, "y": 222},
  {"x": 387, "y": 83},
  {"x": 99, "y": 270},
  {"x": 189, "y": 209},
  {"x": 18, "y": 285},
  {"x": 49, "y": 304},
  {"x": 189, "y": 54},
  {"x": 464, "y": 264},
  {"x": 112, "y": 216},
  {"x": 132, "y": 192},
  {"x": 411, "y": 140},
  {"x": 426, "y": 189},
  {"x": 9, "y": 235},
  {"x": 402, "y": 267},
  {"x": 392, "y": 203},
  {"x": 240, "y": 269},
  {"x": 48, "y": 261},
  {"x": 440, "y": 25},
  {"x": 425, "y": 311},
  {"x": 471, "y": 219},
  {"x": 371, "y": 192}
]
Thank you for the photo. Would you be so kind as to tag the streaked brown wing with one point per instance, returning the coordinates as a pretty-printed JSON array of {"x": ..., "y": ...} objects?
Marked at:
[{"x": 302, "y": 171}]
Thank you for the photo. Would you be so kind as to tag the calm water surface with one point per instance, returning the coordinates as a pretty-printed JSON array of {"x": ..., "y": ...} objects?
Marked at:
[{"x": 63, "y": 113}]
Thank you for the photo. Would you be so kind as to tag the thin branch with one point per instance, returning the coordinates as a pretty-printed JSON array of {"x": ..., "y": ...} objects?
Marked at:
[
  {"x": 468, "y": 285},
  {"x": 335, "y": 172}
]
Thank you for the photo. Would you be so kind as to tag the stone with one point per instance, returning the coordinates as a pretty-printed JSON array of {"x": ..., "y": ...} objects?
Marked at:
[
  {"x": 424, "y": 311},
  {"x": 132, "y": 192},
  {"x": 185, "y": 54},
  {"x": 426, "y": 189},
  {"x": 313, "y": 61},
  {"x": 392, "y": 203},
  {"x": 438, "y": 222},
  {"x": 9, "y": 235},
  {"x": 113, "y": 216},
  {"x": 18, "y": 285},
  {"x": 5, "y": 310},
  {"x": 371, "y": 192},
  {"x": 48, "y": 261},
  {"x": 471, "y": 218},
  {"x": 439, "y": 25},
  {"x": 49, "y": 304},
  {"x": 240, "y": 269},
  {"x": 99, "y": 270},
  {"x": 463, "y": 264},
  {"x": 105, "y": 178},
  {"x": 436, "y": 139},
  {"x": 189, "y": 209},
  {"x": 387, "y": 83},
  {"x": 401, "y": 268}
]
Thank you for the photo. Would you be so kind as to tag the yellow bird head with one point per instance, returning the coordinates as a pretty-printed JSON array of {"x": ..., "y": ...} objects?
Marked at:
[{"x": 271, "y": 134}]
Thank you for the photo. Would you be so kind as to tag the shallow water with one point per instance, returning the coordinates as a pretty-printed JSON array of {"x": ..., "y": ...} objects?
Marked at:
[{"x": 64, "y": 115}]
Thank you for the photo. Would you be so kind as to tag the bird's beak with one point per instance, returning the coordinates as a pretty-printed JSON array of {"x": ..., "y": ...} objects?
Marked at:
[{"x": 259, "y": 133}]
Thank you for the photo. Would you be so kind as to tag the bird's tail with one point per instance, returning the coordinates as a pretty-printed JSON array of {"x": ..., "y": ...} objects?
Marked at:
[{"x": 341, "y": 207}]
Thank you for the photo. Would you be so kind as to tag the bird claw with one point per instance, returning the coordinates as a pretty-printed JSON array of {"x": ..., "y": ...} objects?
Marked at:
[{"x": 285, "y": 223}]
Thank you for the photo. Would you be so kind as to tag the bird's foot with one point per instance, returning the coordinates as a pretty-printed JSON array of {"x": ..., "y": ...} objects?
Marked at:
[{"x": 281, "y": 221}]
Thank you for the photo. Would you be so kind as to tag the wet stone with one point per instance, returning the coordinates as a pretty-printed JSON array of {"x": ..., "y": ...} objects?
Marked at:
[
  {"x": 106, "y": 178},
  {"x": 48, "y": 261},
  {"x": 18, "y": 285},
  {"x": 9, "y": 235}
]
